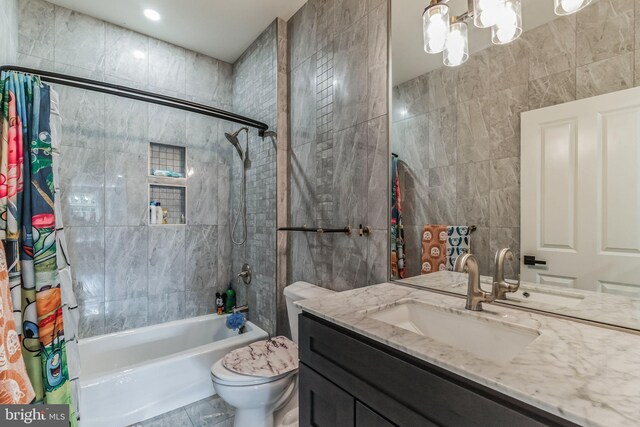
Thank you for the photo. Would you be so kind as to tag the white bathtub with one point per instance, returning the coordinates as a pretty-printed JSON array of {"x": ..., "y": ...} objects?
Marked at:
[{"x": 138, "y": 374}]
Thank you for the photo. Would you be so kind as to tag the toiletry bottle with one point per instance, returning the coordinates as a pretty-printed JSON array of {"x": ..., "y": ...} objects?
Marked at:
[
  {"x": 164, "y": 215},
  {"x": 152, "y": 213},
  {"x": 231, "y": 299},
  {"x": 158, "y": 213},
  {"x": 219, "y": 304}
]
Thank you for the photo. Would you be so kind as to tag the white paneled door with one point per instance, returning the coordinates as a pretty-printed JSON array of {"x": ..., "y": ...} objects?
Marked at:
[{"x": 580, "y": 194}]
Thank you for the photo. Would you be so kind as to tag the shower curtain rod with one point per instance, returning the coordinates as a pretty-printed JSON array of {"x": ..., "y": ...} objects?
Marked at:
[{"x": 139, "y": 95}]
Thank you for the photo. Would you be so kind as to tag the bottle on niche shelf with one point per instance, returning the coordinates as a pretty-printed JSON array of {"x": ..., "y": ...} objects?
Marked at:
[
  {"x": 152, "y": 213},
  {"x": 158, "y": 213}
]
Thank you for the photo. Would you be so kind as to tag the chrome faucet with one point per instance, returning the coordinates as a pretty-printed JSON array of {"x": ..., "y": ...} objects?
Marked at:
[
  {"x": 500, "y": 285},
  {"x": 475, "y": 295}
]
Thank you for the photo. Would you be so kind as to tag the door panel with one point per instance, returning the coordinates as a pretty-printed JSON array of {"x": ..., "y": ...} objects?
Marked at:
[{"x": 581, "y": 193}]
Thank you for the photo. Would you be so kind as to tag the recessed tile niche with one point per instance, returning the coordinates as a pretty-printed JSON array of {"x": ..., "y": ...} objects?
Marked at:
[{"x": 168, "y": 182}]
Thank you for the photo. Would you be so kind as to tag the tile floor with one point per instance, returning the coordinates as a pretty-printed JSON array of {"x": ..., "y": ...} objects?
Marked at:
[{"x": 209, "y": 412}]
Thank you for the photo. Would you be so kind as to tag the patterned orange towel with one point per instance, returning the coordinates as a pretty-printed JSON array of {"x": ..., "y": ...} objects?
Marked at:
[
  {"x": 434, "y": 248},
  {"x": 15, "y": 386}
]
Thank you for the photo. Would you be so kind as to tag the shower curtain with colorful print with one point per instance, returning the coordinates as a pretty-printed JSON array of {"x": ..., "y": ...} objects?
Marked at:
[{"x": 28, "y": 231}]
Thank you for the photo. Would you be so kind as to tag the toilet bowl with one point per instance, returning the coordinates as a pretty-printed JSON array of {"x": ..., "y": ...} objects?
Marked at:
[{"x": 257, "y": 398}]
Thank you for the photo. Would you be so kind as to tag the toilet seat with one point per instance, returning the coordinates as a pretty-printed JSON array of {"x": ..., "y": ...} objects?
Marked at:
[{"x": 222, "y": 375}]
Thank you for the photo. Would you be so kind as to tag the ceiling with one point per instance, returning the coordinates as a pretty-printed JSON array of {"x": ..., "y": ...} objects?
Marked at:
[
  {"x": 409, "y": 58},
  {"x": 223, "y": 29}
]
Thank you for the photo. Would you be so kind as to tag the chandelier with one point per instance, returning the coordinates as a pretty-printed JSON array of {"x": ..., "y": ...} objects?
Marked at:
[{"x": 449, "y": 34}]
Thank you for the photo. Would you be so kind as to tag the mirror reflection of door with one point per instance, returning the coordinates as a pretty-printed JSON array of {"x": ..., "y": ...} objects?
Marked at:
[{"x": 534, "y": 145}]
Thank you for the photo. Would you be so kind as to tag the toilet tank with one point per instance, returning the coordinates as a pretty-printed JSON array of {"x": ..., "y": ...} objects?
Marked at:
[{"x": 296, "y": 292}]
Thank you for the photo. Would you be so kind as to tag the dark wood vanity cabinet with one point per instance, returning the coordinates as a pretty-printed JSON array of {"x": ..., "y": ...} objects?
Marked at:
[{"x": 348, "y": 380}]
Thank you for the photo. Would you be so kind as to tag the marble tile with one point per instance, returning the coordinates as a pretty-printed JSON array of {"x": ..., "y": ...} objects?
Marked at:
[
  {"x": 205, "y": 78},
  {"x": 86, "y": 256},
  {"x": 507, "y": 238},
  {"x": 91, "y": 319},
  {"x": 378, "y": 173},
  {"x": 443, "y": 136},
  {"x": 126, "y": 192},
  {"x": 201, "y": 257},
  {"x": 505, "y": 173},
  {"x": 474, "y": 142},
  {"x": 167, "y": 66},
  {"x": 209, "y": 412},
  {"x": 473, "y": 180},
  {"x": 350, "y": 175},
  {"x": 125, "y": 314},
  {"x": 505, "y": 207},
  {"x": 348, "y": 12},
  {"x": 413, "y": 250},
  {"x": 377, "y": 58},
  {"x": 127, "y": 54},
  {"x": 166, "y": 307},
  {"x": 377, "y": 254},
  {"x": 35, "y": 62},
  {"x": 552, "y": 47},
  {"x": 304, "y": 263},
  {"x": 480, "y": 248},
  {"x": 605, "y": 29},
  {"x": 473, "y": 211},
  {"x": 472, "y": 77},
  {"x": 224, "y": 203},
  {"x": 302, "y": 34},
  {"x": 350, "y": 263},
  {"x": 303, "y": 103},
  {"x": 442, "y": 88},
  {"x": 302, "y": 182},
  {"x": 224, "y": 260},
  {"x": 126, "y": 262},
  {"x": 83, "y": 118},
  {"x": 325, "y": 22},
  {"x": 411, "y": 98},
  {"x": 350, "y": 77},
  {"x": 412, "y": 143},
  {"x": 508, "y": 65},
  {"x": 200, "y": 302},
  {"x": 414, "y": 188},
  {"x": 79, "y": 40},
  {"x": 202, "y": 194},
  {"x": 205, "y": 138},
  {"x": 605, "y": 76},
  {"x": 504, "y": 118},
  {"x": 36, "y": 28},
  {"x": 555, "y": 89},
  {"x": 175, "y": 418},
  {"x": 167, "y": 268},
  {"x": 127, "y": 127},
  {"x": 167, "y": 125},
  {"x": 442, "y": 195},
  {"x": 82, "y": 186}
]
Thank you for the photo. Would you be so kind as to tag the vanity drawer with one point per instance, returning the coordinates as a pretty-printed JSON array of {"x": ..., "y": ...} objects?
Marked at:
[{"x": 405, "y": 390}]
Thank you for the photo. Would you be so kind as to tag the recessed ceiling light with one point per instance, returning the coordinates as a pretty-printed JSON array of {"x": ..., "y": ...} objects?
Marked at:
[{"x": 152, "y": 14}]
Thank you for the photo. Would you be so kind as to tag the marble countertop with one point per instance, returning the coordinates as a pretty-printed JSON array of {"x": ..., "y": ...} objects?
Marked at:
[
  {"x": 586, "y": 374},
  {"x": 595, "y": 306}
]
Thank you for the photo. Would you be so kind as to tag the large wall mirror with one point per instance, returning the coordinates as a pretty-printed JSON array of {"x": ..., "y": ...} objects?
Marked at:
[{"x": 532, "y": 145}]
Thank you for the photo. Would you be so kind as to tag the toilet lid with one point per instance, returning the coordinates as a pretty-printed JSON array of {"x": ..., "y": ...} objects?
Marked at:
[
  {"x": 270, "y": 358},
  {"x": 222, "y": 375}
]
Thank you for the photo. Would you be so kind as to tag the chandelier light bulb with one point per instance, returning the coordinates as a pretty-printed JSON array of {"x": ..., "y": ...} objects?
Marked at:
[
  {"x": 485, "y": 12},
  {"x": 508, "y": 25},
  {"x": 456, "y": 51},
  {"x": 567, "y": 7},
  {"x": 435, "y": 27}
]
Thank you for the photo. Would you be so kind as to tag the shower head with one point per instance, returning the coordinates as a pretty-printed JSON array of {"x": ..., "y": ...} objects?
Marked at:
[{"x": 233, "y": 139}]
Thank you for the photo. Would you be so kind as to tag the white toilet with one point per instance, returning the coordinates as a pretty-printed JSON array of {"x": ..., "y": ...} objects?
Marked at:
[{"x": 256, "y": 398}]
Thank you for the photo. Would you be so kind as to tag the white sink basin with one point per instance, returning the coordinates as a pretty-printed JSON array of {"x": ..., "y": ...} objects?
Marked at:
[
  {"x": 488, "y": 339},
  {"x": 535, "y": 297}
]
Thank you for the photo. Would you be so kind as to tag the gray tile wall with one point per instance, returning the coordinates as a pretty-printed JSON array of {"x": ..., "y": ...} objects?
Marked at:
[
  {"x": 8, "y": 31},
  {"x": 254, "y": 95},
  {"x": 127, "y": 274},
  {"x": 339, "y": 155},
  {"x": 457, "y": 131}
]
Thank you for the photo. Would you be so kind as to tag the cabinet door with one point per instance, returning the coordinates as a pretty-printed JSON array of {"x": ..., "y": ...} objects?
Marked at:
[
  {"x": 322, "y": 403},
  {"x": 365, "y": 417}
]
